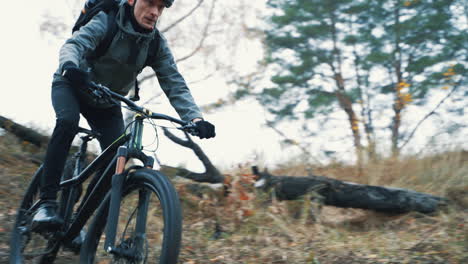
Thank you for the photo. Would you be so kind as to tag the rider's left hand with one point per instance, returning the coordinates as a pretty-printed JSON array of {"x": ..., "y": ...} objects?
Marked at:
[{"x": 75, "y": 75}]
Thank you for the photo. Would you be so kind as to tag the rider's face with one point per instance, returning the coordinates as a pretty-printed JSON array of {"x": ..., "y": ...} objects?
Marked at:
[{"x": 147, "y": 12}]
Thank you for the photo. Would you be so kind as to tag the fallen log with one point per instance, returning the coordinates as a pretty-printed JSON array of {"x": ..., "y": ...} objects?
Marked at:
[
  {"x": 23, "y": 133},
  {"x": 30, "y": 135},
  {"x": 348, "y": 194}
]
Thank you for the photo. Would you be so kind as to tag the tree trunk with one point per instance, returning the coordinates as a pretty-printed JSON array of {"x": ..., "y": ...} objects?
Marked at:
[
  {"x": 344, "y": 100},
  {"x": 398, "y": 104},
  {"x": 347, "y": 106},
  {"x": 396, "y": 128},
  {"x": 23, "y": 133},
  {"x": 366, "y": 117},
  {"x": 349, "y": 195}
]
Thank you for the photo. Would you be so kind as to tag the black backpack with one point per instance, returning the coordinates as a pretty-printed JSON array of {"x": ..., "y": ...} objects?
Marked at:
[{"x": 110, "y": 7}]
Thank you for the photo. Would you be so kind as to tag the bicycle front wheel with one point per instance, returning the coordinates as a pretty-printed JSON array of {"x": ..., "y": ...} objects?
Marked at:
[{"x": 150, "y": 223}]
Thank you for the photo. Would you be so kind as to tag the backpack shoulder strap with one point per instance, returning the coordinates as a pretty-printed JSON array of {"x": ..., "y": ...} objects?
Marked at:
[
  {"x": 153, "y": 49},
  {"x": 110, "y": 33},
  {"x": 152, "y": 53}
]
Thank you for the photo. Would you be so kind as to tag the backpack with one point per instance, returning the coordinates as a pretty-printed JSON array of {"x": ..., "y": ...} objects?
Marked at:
[{"x": 110, "y": 7}]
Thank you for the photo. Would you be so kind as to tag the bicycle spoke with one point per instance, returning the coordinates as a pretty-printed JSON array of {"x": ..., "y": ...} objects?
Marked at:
[
  {"x": 28, "y": 246},
  {"x": 128, "y": 239},
  {"x": 144, "y": 233}
]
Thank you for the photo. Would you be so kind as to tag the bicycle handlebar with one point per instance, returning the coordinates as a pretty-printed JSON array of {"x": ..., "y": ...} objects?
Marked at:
[{"x": 100, "y": 90}]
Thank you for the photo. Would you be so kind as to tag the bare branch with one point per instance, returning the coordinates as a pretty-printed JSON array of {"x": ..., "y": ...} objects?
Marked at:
[
  {"x": 152, "y": 98},
  {"x": 202, "y": 40},
  {"x": 428, "y": 115},
  {"x": 206, "y": 77},
  {"x": 185, "y": 143},
  {"x": 52, "y": 25},
  {"x": 211, "y": 173},
  {"x": 204, "y": 35},
  {"x": 246, "y": 88},
  {"x": 291, "y": 141},
  {"x": 147, "y": 77},
  {"x": 200, "y": 2}
]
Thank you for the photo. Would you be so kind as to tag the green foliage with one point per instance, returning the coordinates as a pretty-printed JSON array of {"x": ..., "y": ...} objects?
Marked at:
[
  {"x": 311, "y": 41},
  {"x": 378, "y": 57},
  {"x": 273, "y": 93},
  {"x": 241, "y": 93}
]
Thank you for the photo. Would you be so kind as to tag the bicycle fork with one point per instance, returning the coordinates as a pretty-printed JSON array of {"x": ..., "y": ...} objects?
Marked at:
[
  {"x": 118, "y": 180},
  {"x": 115, "y": 199}
]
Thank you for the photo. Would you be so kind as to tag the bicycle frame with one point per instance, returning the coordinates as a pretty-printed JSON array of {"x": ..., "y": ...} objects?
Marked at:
[
  {"x": 115, "y": 156},
  {"x": 104, "y": 195}
]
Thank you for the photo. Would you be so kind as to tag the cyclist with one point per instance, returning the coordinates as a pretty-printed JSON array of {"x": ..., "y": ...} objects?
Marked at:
[{"x": 117, "y": 69}]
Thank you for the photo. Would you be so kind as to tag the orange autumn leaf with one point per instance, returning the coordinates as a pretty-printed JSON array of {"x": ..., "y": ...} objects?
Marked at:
[
  {"x": 247, "y": 212},
  {"x": 247, "y": 178},
  {"x": 243, "y": 196}
]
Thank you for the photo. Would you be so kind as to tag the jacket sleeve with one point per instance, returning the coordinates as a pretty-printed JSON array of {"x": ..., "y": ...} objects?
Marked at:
[
  {"x": 84, "y": 40},
  {"x": 173, "y": 84}
]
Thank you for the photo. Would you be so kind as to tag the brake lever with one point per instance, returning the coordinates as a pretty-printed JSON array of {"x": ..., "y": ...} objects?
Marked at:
[
  {"x": 98, "y": 94},
  {"x": 103, "y": 93},
  {"x": 190, "y": 128}
]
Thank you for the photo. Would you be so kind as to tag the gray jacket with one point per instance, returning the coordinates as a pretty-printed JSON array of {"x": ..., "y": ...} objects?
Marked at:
[{"x": 125, "y": 58}]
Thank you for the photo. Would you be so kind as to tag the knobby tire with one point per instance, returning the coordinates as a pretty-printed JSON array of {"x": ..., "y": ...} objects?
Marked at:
[
  {"x": 141, "y": 181},
  {"x": 23, "y": 217}
]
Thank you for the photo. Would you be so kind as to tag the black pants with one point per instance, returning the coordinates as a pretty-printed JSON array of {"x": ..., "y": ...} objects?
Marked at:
[{"x": 68, "y": 105}]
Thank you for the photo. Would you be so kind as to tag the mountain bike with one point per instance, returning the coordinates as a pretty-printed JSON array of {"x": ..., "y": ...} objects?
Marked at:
[{"x": 135, "y": 210}]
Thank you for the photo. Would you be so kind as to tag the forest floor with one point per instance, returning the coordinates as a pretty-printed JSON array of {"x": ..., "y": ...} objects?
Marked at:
[{"x": 246, "y": 227}]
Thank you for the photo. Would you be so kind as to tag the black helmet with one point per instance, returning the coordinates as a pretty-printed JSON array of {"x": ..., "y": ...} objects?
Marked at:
[{"x": 168, "y": 3}]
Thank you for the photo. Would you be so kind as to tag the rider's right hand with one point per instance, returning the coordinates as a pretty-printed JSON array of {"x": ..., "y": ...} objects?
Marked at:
[
  {"x": 75, "y": 75},
  {"x": 205, "y": 129}
]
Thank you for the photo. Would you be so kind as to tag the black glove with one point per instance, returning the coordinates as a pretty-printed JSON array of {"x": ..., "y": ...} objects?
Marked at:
[
  {"x": 205, "y": 129},
  {"x": 75, "y": 75},
  {"x": 102, "y": 99}
]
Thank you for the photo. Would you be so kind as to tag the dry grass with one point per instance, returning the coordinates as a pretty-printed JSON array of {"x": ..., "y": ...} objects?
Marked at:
[
  {"x": 247, "y": 228},
  {"x": 334, "y": 235}
]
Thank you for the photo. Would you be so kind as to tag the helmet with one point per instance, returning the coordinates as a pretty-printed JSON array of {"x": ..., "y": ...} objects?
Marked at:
[{"x": 168, "y": 3}]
